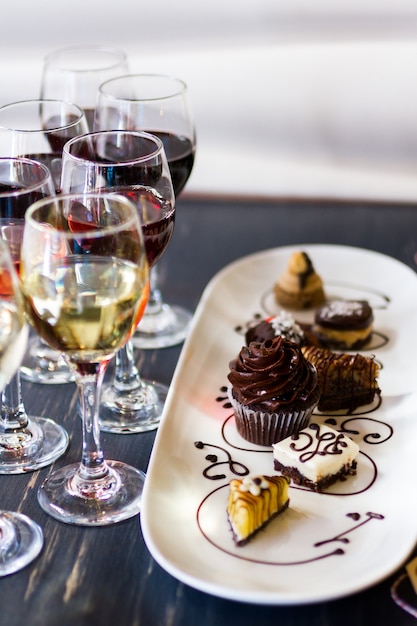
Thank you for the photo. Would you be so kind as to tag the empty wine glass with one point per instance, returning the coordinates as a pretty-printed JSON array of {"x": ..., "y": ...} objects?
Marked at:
[
  {"x": 75, "y": 73},
  {"x": 159, "y": 105},
  {"x": 38, "y": 129},
  {"x": 27, "y": 443},
  {"x": 21, "y": 539},
  {"x": 132, "y": 164},
  {"x": 85, "y": 280}
]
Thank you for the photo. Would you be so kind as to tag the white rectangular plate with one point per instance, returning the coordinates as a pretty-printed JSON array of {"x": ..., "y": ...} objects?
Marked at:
[{"x": 325, "y": 545}]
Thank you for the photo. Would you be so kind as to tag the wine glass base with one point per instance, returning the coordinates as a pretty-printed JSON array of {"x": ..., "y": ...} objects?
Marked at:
[
  {"x": 164, "y": 329},
  {"x": 21, "y": 540},
  {"x": 42, "y": 364},
  {"x": 135, "y": 411},
  {"x": 117, "y": 497},
  {"x": 38, "y": 445}
]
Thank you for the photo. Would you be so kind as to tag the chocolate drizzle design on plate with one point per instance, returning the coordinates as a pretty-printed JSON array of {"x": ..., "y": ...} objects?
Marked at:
[
  {"x": 235, "y": 467},
  {"x": 223, "y": 398},
  {"x": 356, "y": 424},
  {"x": 355, "y": 516},
  {"x": 376, "y": 432},
  {"x": 383, "y": 431},
  {"x": 372, "y": 438},
  {"x": 317, "y": 443},
  {"x": 313, "y": 550}
]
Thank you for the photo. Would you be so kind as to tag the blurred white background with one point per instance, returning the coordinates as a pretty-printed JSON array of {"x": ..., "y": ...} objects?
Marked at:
[{"x": 290, "y": 97}]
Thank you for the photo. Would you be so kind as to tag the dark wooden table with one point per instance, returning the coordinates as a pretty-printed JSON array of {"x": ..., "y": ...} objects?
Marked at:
[{"x": 106, "y": 576}]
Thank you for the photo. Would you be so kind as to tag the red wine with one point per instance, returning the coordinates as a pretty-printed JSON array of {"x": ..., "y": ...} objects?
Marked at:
[
  {"x": 6, "y": 285},
  {"x": 12, "y": 214},
  {"x": 14, "y": 207},
  {"x": 180, "y": 153},
  {"x": 156, "y": 215},
  {"x": 85, "y": 218},
  {"x": 115, "y": 155},
  {"x": 57, "y": 137},
  {"x": 81, "y": 219},
  {"x": 157, "y": 218},
  {"x": 53, "y": 161}
]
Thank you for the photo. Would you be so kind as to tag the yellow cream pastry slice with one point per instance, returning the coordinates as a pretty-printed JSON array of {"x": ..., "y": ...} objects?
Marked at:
[
  {"x": 253, "y": 502},
  {"x": 299, "y": 286}
]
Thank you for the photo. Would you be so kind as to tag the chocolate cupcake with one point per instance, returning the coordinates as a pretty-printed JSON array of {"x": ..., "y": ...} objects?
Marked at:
[{"x": 273, "y": 390}]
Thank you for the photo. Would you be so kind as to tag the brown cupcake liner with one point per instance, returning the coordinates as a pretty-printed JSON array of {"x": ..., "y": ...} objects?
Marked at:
[{"x": 265, "y": 429}]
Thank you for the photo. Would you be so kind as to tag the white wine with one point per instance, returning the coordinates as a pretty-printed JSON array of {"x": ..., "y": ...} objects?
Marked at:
[
  {"x": 13, "y": 337},
  {"x": 88, "y": 306}
]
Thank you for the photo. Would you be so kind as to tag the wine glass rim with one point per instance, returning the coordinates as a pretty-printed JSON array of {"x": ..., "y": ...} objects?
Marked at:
[
  {"x": 29, "y": 188},
  {"x": 130, "y": 221},
  {"x": 136, "y": 133},
  {"x": 55, "y": 56},
  {"x": 174, "y": 80},
  {"x": 39, "y": 101}
]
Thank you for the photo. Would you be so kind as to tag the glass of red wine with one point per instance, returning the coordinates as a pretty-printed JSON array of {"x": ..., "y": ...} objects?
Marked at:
[
  {"x": 27, "y": 442},
  {"x": 159, "y": 105},
  {"x": 38, "y": 129},
  {"x": 75, "y": 73},
  {"x": 132, "y": 164},
  {"x": 85, "y": 281},
  {"x": 21, "y": 539}
]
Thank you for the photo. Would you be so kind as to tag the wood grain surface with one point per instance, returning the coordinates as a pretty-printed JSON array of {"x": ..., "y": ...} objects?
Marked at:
[{"x": 106, "y": 576}]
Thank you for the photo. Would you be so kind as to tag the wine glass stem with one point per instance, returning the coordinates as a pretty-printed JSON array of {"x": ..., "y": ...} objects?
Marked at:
[
  {"x": 93, "y": 465},
  {"x": 126, "y": 373},
  {"x": 13, "y": 413},
  {"x": 155, "y": 301}
]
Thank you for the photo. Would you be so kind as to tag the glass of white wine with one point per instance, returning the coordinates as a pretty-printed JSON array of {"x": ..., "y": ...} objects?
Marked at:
[
  {"x": 21, "y": 539},
  {"x": 85, "y": 280}
]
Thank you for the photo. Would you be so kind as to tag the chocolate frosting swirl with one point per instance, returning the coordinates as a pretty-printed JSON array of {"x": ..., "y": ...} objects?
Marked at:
[{"x": 273, "y": 374}]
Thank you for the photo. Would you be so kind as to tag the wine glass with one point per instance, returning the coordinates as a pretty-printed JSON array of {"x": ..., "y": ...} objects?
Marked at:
[
  {"x": 132, "y": 164},
  {"x": 27, "y": 443},
  {"x": 75, "y": 73},
  {"x": 157, "y": 104},
  {"x": 21, "y": 539},
  {"x": 85, "y": 281},
  {"x": 38, "y": 129}
]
